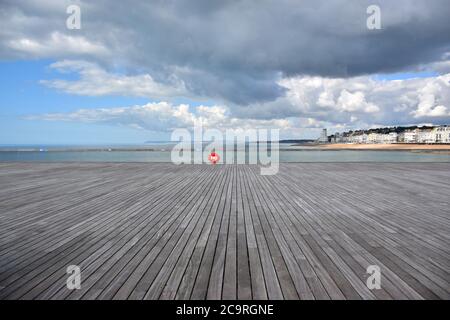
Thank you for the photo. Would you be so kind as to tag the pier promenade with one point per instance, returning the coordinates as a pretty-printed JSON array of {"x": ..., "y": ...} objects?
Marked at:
[{"x": 160, "y": 231}]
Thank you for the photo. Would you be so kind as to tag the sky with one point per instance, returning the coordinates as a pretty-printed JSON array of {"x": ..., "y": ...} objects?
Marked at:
[{"x": 137, "y": 70}]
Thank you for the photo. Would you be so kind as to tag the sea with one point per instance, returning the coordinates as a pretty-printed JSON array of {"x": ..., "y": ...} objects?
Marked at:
[{"x": 161, "y": 152}]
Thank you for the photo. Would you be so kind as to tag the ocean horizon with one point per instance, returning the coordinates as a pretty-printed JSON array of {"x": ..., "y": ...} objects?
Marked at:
[{"x": 161, "y": 152}]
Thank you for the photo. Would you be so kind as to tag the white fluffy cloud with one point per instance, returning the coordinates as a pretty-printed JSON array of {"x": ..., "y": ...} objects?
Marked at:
[
  {"x": 56, "y": 44},
  {"x": 356, "y": 101},
  {"x": 431, "y": 98},
  {"x": 309, "y": 102},
  {"x": 340, "y": 99},
  {"x": 163, "y": 116},
  {"x": 387, "y": 102},
  {"x": 95, "y": 81}
]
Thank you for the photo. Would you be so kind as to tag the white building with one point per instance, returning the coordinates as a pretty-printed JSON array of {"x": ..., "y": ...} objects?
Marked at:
[
  {"x": 375, "y": 138},
  {"x": 338, "y": 137},
  {"x": 441, "y": 134},
  {"x": 357, "y": 138},
  {"x": 410, "y": 136},
  {"x": 362, "y": 138},
  {"x": 420, "y": 135},
  {"x": 391, "y": 137},
  {"x": 323, "y": 137},
  {"x": 425, "y": 136}
]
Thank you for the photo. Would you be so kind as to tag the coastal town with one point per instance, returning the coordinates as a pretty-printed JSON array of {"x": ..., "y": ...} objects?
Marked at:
[{"x": 391, "y": 135}]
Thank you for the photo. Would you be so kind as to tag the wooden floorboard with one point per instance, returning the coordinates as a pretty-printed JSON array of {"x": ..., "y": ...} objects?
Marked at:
[{"x": 161, "y": 231}]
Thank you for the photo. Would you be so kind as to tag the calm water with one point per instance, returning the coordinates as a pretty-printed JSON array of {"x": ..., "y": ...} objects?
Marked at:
[{"x": 162, "y": 153}]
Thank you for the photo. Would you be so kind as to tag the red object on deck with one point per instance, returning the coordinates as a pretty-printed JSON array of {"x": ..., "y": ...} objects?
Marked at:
[{"x": 213, "y": 157}]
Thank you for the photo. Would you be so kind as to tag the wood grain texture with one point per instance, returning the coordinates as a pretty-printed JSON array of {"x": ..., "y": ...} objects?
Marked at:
[{"x": 160, "y": 231}]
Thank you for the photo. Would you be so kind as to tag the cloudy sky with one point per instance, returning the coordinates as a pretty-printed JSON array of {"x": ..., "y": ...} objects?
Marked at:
[{"x": 136, "y": 70}]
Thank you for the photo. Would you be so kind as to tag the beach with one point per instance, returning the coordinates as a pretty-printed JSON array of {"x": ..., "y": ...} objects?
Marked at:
[{"x": 161, "y": 231}]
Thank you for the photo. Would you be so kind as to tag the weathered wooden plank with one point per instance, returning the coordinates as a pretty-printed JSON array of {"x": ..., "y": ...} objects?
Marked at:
[{"x": 160, "y": 231}]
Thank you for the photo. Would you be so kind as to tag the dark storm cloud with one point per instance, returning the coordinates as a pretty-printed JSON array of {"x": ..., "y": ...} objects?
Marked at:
[{"x": 237, "y": 50}]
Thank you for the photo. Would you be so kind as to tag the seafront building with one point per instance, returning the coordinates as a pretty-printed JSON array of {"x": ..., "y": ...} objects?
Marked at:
[
  {"x": 425, "y": 135},
  {"x": 407, "y": 136},
  {"x": 323, "y": 137},
  {"x": 442, "y": 134}
]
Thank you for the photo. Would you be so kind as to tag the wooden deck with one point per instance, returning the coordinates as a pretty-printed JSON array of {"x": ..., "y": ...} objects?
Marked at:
[{"x": 160, "y": 231}]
